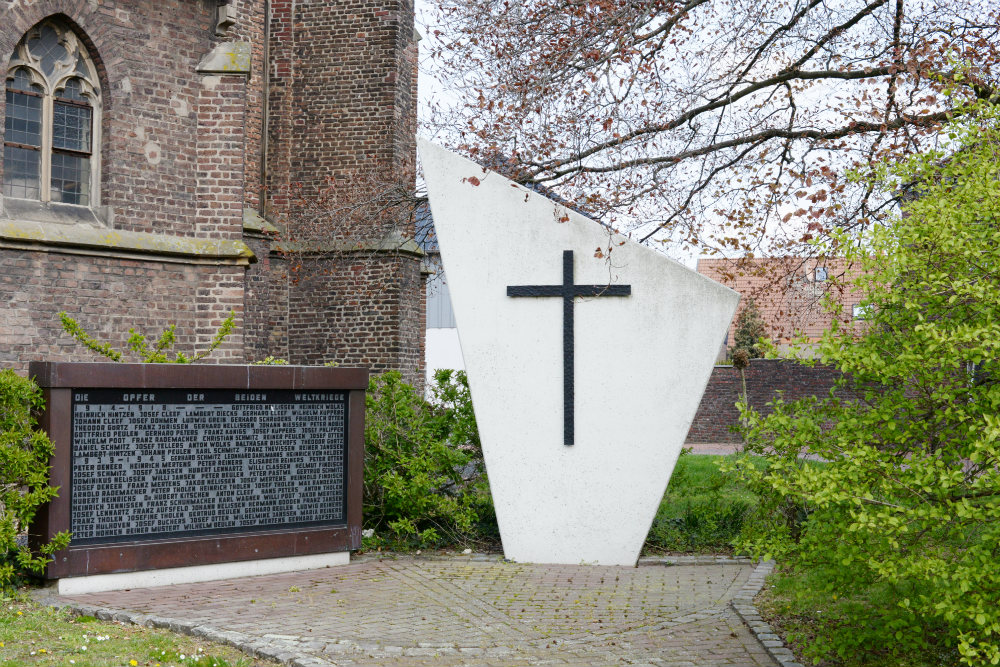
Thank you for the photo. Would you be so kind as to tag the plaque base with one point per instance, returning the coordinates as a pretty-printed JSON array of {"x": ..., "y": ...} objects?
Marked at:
[{"x": 97, "y": 583}]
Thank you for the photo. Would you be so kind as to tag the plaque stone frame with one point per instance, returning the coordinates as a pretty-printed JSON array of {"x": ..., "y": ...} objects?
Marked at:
[{"x": 59, "y": 382}]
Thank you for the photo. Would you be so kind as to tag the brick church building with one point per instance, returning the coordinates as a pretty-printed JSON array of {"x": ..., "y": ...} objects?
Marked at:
[{"x": 157, "y": 152}]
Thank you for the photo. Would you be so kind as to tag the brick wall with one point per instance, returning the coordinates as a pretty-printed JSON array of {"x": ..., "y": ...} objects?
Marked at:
[
  {"x": 258, "y": 310},
  {"x": 368, "y": 317},
  {"x": 107, "y": 296},
  {"x": 183, "y": 154},
  {"x": 220, "y": 150},
  {"x": 765, "y": 378},
  {"x": 171, "y": 163},
  {"x": 342, "y": 99},
  {"x": 249, "y": 27},
  {"x": 146, "y": 52},
  {"x": 788, "y": 292},
  {"x": 341, "y": 92}
]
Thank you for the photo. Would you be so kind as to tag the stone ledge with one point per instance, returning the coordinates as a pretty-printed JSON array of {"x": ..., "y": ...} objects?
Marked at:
[
  {"x": 121, "y": 244},
  {"x": 694, "y": 560},
  {"x": 226, "y": 58},
  {"x": 393, "y": 245},
  {"x": 254, "y": 223}
]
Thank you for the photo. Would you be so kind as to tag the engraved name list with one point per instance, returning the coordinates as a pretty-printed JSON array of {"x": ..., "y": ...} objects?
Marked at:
[{"x": 168, "y": 462}]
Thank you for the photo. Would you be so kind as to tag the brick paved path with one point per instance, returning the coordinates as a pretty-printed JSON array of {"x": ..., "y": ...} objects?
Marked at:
[{"x": 455, "y": 612}]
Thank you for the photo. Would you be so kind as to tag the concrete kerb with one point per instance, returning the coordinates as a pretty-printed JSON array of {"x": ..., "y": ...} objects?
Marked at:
[
  {"x": 742, "y": 604},
  {"x": 271, "y": 647}
]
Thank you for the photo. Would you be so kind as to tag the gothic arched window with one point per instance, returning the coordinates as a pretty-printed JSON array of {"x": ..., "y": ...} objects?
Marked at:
[{"x": 52, "y": 119}]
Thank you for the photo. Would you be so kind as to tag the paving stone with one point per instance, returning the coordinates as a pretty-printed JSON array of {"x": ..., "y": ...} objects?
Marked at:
[{"x": 467, "y": 611}]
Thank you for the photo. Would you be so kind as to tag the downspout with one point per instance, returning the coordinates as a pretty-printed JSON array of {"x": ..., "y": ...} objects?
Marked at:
[{"x": 265, "y": 111}]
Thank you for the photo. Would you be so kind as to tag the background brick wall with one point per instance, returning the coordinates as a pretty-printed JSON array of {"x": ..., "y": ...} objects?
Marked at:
[
  {"x": 368, "y": 318},
  {"x": 249, "y": 27},
  {"x": 765, "y": 378},
  {"x": 258, "y": 310},
  {"x": 220, "y": 151},
  {"x": 342, "y": 92}
]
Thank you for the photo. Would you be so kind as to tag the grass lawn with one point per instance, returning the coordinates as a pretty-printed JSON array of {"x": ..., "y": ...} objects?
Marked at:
[
  {"x": 703, "y": 509},
  {"x": 34, "y": 635}
]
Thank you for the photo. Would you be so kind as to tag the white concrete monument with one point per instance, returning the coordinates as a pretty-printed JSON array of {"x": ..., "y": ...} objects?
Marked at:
[{"x": 587, "y": 356}]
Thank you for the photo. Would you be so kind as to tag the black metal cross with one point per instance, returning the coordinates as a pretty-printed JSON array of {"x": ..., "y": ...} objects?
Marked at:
[{"x": 568, "y": 291}]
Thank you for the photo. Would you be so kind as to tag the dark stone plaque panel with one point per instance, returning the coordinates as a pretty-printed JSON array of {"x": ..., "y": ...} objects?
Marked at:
[
  {"x": 168, "y": 465},
  {"x": 161, "y": 463}
]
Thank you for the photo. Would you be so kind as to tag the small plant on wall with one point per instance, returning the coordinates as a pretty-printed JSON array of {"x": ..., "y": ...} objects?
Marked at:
[
  {"x": 24, "y": 478},
  {"x": 150, "y": 352}
]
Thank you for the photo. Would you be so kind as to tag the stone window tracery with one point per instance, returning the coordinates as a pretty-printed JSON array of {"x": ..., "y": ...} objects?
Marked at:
[{"x": 52, "y": 119}]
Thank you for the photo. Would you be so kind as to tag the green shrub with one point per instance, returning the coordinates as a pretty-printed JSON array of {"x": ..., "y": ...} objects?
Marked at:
[
  {"x": 750, "y": 328},
  {"x": 24, "y": 478},
  {"x": 424, "y": 477},
  {"x": 823, "y": 625},
  {"x": 909, "y": 500}
]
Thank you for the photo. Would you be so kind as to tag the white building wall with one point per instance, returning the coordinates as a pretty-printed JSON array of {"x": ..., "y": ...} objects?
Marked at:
[{"x": 442, "y": 348}]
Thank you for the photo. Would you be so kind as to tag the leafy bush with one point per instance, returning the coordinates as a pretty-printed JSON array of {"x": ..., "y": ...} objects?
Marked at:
[
  {"x": 425, "y": 481},
  {"x": 818, "y": 622},
  {"x": 24, "y": 477},
  {"x": 909, "y": 501}
]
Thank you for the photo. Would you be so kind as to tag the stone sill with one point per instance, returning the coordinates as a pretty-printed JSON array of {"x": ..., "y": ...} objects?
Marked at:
[
  {"x": 255, "y": 224},
  {"x": 84, "y": 239}
]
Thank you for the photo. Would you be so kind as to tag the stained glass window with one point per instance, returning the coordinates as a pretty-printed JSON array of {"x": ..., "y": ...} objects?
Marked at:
[
  {"x": 52, "y": 100},
  {"x": 71, "y": 125},
  {"x": 48, "y": 48}
]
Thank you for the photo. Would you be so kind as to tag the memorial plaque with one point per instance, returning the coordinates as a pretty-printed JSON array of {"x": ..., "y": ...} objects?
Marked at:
[
  {"x": 168, "y": 465},
  {"x": 163, "y": 463}
]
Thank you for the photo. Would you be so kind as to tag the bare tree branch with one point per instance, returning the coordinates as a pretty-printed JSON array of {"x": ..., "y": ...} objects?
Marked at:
[{"x": 711, "y": 121}]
